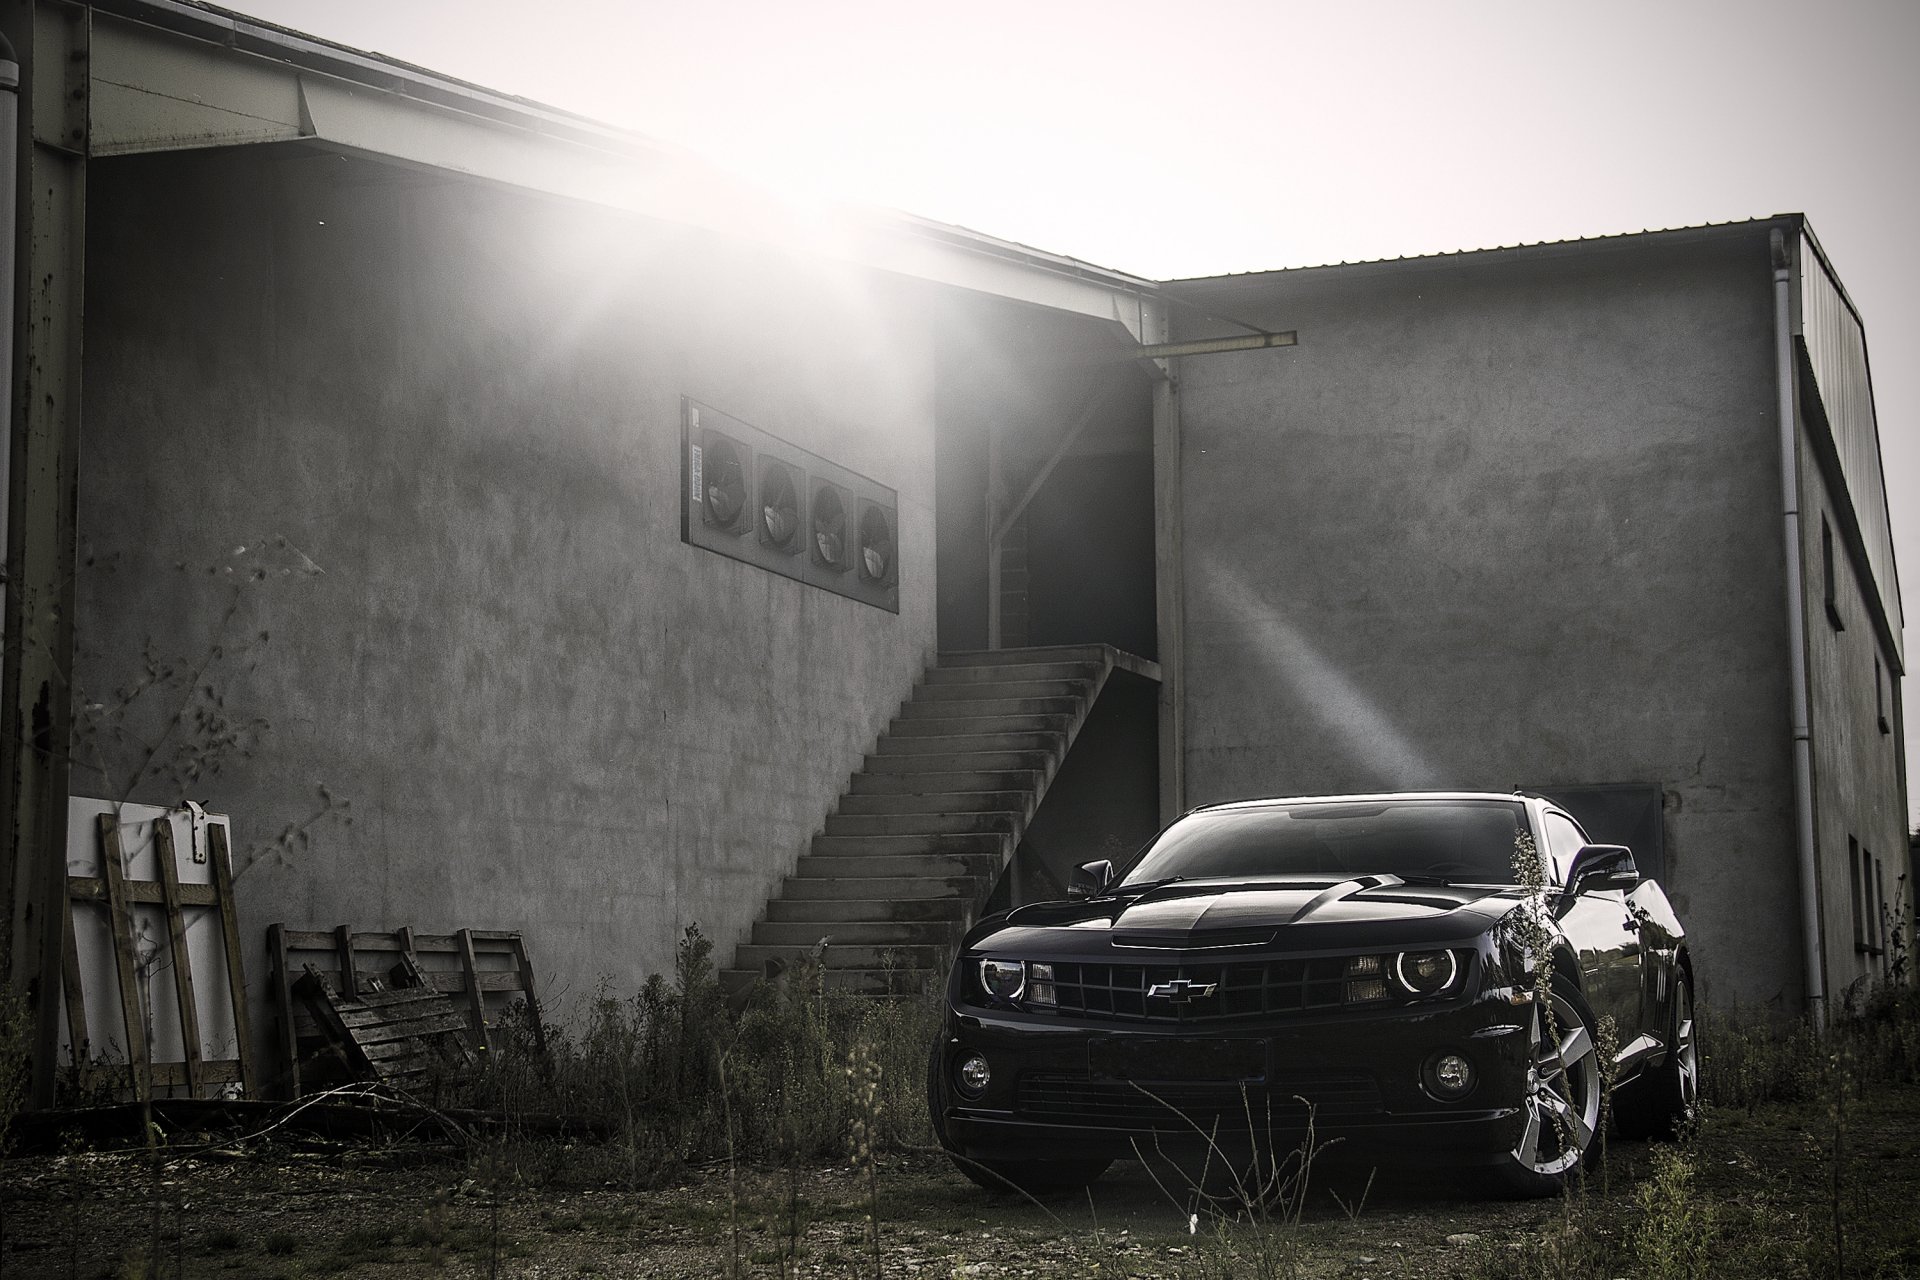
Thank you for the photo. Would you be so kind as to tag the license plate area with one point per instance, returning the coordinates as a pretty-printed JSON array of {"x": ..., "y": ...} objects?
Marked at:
[{"x": 1174, "y": 1058}]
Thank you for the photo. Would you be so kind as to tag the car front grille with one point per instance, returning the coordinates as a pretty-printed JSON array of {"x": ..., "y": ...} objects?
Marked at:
[
  {"x": 1180, "y": 1106},
  {"x": 1240, "y": 989}
]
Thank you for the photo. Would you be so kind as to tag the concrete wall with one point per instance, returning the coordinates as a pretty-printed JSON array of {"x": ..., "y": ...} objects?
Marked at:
[
  {"x": 1857, "y": 798},
  {"x": 443, "y": 422},
  {"x": 1505, "y": 518}
]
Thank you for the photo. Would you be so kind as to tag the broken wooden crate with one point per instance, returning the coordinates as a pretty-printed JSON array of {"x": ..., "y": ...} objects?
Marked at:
[{"x": 477, "y": 972}]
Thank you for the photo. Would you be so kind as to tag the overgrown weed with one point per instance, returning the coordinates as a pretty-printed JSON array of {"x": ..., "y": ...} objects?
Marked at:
[{"x": 648, "y": 1069}]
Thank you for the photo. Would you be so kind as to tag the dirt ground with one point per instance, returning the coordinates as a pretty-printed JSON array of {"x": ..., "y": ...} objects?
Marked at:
[{"x": 1759, "y": 1198}]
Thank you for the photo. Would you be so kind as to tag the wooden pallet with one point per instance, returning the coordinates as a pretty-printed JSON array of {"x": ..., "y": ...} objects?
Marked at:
[
  {"x": 102, "y": 936},
  {"x": 404, "y": 1036},
  {"x": 484, "y": 971}
]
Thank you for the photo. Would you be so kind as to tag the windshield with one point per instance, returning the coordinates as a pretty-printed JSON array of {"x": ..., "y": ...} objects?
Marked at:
[{"x": 1466, "y": 841}]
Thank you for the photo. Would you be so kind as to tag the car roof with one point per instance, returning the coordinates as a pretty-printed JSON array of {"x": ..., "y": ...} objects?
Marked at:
[{"x": 1509, "y": 797}]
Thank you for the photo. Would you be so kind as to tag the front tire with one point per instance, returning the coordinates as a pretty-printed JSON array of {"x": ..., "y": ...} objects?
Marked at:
[{"x": 1560, "y": 1110}]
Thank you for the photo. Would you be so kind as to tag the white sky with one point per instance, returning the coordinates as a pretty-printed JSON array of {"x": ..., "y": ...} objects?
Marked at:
[{"x": 1183, "y": 139}]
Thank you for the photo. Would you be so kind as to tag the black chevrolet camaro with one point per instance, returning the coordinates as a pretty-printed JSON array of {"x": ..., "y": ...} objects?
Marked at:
[{"x": 1425, "y": 977}]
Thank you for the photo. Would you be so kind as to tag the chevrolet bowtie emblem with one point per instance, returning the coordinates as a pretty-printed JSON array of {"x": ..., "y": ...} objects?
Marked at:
[{"x": 1181, "y": 991}]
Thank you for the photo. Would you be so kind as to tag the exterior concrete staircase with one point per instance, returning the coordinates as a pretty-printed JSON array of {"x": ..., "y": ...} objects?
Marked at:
[{"x": 931, "y": 818}]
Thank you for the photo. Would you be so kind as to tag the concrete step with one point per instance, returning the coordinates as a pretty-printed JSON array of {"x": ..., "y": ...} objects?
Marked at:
[
  {"x": 949, "y": 784},
  {"x": 950, "y": 802},
  {"x": 968, "y": 743},
  {"x": 753, "y": 956},
  {"x": 1037, "y": 760},
  {"x": 898, "y": 890},
  {"x": 858, "y": 933},
  {"x": 869, "y": 846},
  {"x": 954, "y": 726},
  {"x": 861, "y": 982},
  {"x": 1013, "y": 687},
  {"x": 917, "y": 824},
  {"x": 826, "y": 911},
  {"x": 942, "y": 708},
  {"x": 1001, "y": 657},
  {"x": 1009, "y": 672},
  {"x": 950, "y": 866}
]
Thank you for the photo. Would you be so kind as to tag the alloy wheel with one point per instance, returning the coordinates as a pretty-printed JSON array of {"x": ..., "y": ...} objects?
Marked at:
[{"x": 1562, "y": 1103}]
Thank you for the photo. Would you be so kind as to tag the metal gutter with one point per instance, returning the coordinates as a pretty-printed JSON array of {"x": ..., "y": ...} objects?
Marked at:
[{"x": 1784, "y": 378}]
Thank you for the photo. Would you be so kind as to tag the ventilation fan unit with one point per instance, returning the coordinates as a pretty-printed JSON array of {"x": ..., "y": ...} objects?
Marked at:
[
  {"x": 876, "y": 550},
  {"x": 751, "y": 496},
  {"x": 722, "y": 465},
  {"x": 779, "y": 492},
  {"x": 829, "y": 525}
]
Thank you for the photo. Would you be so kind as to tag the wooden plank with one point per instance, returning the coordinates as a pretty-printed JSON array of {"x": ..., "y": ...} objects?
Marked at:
[
  {"x": 76, "y": 997},
  {"x": 278, "y": 936},
  {"x": 476, "y": 1003},
  {"x": 211, "y": 1071},
  {"x": 349, "y": 970},
  {"x": 321, "y": 1003},
  {"x": 369, "y": 1015},
  {"x": 525, "y": 968},
  {"x": 442, "y": 942},
  {"x": 120, "y": 928},
  {"x": 164, "y": 853},
  {"x": 222, "y": 859},
  {"x": 408, "y": 956},
  {"x": 437, "y": 1024},
  {"x": 308, "y": 940},
  {"x": 145, "y": 892},
  {"x": 376, "y": 942}
]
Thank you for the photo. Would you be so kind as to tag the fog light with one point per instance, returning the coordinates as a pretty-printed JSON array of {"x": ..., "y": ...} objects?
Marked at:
[
  {"x": 973, "y": 1075},
  {"x": 1450, "y": 1076}
]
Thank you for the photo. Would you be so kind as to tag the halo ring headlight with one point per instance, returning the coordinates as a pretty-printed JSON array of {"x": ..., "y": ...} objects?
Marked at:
[
  {"x": 1003, "y": 979},
  {"x": 1425, "y": 973}
]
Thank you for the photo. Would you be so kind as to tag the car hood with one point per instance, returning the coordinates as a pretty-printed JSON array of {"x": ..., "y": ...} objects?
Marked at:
[{"x": 1292, "y": 913}]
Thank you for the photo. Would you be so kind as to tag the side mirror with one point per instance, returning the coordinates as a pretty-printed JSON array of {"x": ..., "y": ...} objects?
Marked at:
[
  {"x": 1089, "y": 878},
  {"x": 1601, "y": 866}
]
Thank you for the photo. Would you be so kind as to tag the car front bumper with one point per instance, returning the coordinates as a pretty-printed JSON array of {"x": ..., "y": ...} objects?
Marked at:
[{"x": 1066, "y": 1090}]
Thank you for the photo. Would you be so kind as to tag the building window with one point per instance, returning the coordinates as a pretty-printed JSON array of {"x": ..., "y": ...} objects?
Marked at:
[
  {"x": 1826, "y": 565},
  {"x": 1880, "y": 695},
  {"x": 1869, "y": 904}
]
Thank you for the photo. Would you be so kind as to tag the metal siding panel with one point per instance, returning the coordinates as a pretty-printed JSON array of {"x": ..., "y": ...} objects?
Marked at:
[{"x": 1837, "y": 348}]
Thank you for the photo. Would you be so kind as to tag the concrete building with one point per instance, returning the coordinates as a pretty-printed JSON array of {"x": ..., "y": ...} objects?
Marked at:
[{"x": 398, "y": 467}]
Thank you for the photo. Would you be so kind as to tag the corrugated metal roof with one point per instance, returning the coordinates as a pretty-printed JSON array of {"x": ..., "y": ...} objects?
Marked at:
[{"x": 1524, "y": 245}]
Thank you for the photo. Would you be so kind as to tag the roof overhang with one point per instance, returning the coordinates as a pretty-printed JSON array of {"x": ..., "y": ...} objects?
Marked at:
[{"x": 167, "y": 75}]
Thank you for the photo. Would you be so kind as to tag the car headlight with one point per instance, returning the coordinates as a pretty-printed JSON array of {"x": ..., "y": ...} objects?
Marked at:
[
  {"x": 1040, "y": 984},
  {"x": 1425, "y": 973},
  {"x": 1003, "y": 979}
]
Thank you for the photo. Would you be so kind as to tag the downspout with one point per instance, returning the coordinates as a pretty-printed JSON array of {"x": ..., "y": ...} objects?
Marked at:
[
  {"x": 1810, "y": 932},
  {"x": 9, "y": 185}
]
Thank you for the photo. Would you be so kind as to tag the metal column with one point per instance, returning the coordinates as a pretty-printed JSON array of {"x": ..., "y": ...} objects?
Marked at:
[{"x": 52, "y": 40}]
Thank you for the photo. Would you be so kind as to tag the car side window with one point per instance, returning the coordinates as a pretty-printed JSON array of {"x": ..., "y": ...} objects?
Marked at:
[{"x": 1564, "y": 839}]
